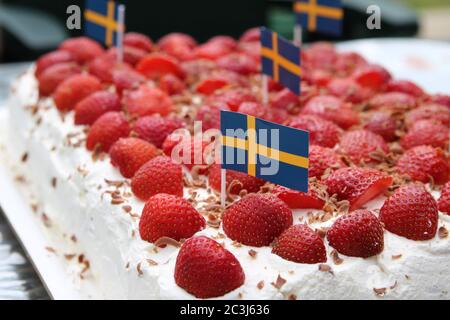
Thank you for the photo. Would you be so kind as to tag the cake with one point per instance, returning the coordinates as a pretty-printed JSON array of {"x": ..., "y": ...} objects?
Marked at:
[{"x": 92, "y": 138}]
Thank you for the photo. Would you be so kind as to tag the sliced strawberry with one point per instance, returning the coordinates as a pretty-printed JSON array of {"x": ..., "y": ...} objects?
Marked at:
[
  {"x": 95, "y": 105},
  {"x": 374, "y": 77},
  {"x": 206, "y": 269},
  {"x": 299, "y": 200},
  {"x": 209, "y": 85},
  {"x": 357, "y": 185},
  {"x": 156, "y": 65},
  {"x": 300, "y": 244},
  {"x": 106, "y": 130},
  {"x": 146, "y": 100},
  {"x": 74, "y": 89}
]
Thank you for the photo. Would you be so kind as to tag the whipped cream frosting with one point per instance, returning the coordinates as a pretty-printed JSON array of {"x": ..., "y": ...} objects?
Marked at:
[{"x": 77, "y": 195}]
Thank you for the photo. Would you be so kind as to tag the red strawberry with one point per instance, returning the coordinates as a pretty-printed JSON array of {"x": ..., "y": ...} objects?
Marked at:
[
  {"x": 74, "y": 89},
  {"x": 358, "y": 145},
  {"x": 233, "y": 98},
  {"x": 156, "y": 65},
  {"x": 191, "y": 152},
  {"x": 209, "y": 115},
  {"x": 126, "y": 79},
  {"x": 255, "y": 109},
  {"x": 173, "y": 140},
  {"x": 238, "y": 62},
  {"x": 257, "y": 219},
  {"x": 318, "y": 77},
  {"x": 442, "y": 99},
  {"x": 171, "y": 84},
  {"x": 131, "y": 55},
  {"x": 423, "y": 163},
  {"x": 213, "y": 50},
  {"x": 430, "y": 111},
  {"x": 357, "y": 185},
  {"x": 383, "y": 124},
  {"x": 426, "y": 132},
  {"x": 300, "y": 244},
  {"x": 285, "y": 99},
  {"x": 146, "y": 100},
  {"x": 138, "y": 40},
  {"x": 393, "y": 101},
  {"x": 444, "y": 200},
  {"x": 372, "y": 76},
  {"x": 332, "y": 109},
  {"x": 129, "y": 154},
  {"x": 178, "y": 39},
  {"x": 411, "y": 212},
  {"x": 347, "y": 62},
  {"x": 52, "y": 58},
  {"x": 209, "y": 85},
  {"x": 299, "y": 200},
  {"x": 93, "y": 106},
  {"x": 159, "y": 175},
  {"x": 321, "y": 132},
  {"x": 51, "y": 77},
  {"x": 250, "y": 35},
  {"x": 82, "y": 49},
  {"x": 320, "y": 159},
  {"x": 405, "y": 86},
  {"x": 103, "y": 66},
  {"x": 206, "y": 269},
  {"x": 348, "y": 90},
  {"x": 106, "y": 130},
  {"x": 155, "y": 129},
  {"x": 357, "y": 234},
  {"x": 166, "y": 215},
  {"x": 320, "y": 55},
  {"x": 240, "y": 180}
]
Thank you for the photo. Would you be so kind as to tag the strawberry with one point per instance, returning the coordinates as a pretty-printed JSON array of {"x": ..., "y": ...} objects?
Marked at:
[
  {"x": 444, "y": 199},
  {"x": 206, "y": 269},
  {"x": 429, "y": 111},
  {"x": 441, "y": 99},
  {"x": 233, "y": 98},
  {"x": 372, "y": 76},
  {"x": 178, "y": 39},
  {"x": 319, "y": 55},
  {"x": 357, "y": 234},
  {"x": 347, "y": 62},
  {"x": 405, "y": 86},
  {"x": 126, "y": 79},
  {"x": 103, "y": 66},
  {"x": 74, "y": 89},
  {"x": 131, "y": 55},
  {"x": 426, "y": 132},
  {"x": 52, "y": 58},
  {"x": 106, "y": 130},
  {"x": 411, "y": 212},
  {"x": 383, "y": 124},
  {"x": 196, "y": 149},
  {"x": 423, "y": 163},
  {"x": 209, "y": 85},
  {"x": 332, "y": 109},
  {"x": 300, "y": 244},
  {"x": 358, "y": 145},
  {"x": 212, "y": 50},
  {"x": 93, "y": 106},
  {"x": 255, "y": 109},
  {"x": 82, "y": 49},
  {"x": 171, "y": 141},
  {"x": 241, "y": 181},
  {"x": 166, "y": 215},
  {"x": 321, "y": 132},
  {"x": 238, "y": 62},
  {"x": 51, "y": 77},
  {"x": 299, "y": 200},
  {"x": 318, "y": 77},
  {"x": 146, "y": 100},
  {"x": 155, "y": 129},
  {"x": 348, "y": 90},
  {"x": 250, "y": 35},
  {"x": 393, "y": 101},
  {"x": 257, "y": 219},
  {"x": 156, "y": 65},
  {"x": 357, "y": 185},
  {"x": 159, "y": 175},
  {"x": 138, "y": 40},
  {"x": 225, "y": 41},
  {"x": 129, "y": 154},
  {"x": 285, "y": 99},
  {"x": 320, "y": 159},
  {"x": 209, "y": 115},
  {"x": 171, "y": 84}
]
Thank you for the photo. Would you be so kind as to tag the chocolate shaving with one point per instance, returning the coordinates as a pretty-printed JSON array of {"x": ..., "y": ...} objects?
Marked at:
[
  {"x": 165, "y": 241},
  {"x": 396, "y": 257},
  {"x": 139, "y": 269},
  {"x": 336, "y": 259},
  {"x": 252, "y": 253},
  {"x": 69, "y": 256},
  {"x": 127, "y": 208},
  {"x": 292, "y": 297},
  {"x": 152, "y": 262},
  {"x": 46, "y": 220},
  {"x": 443, "y": 232},
  {"x": 54, "y": 182},
  {"x": 279, "y": 282},
  {"x": 325, "y": 268},
  {"x": 24, "y": 157},
  {"x": 50, "y": 249},
  {"x": 260, "y": 285},
  {"x": 380, "y": 291}
]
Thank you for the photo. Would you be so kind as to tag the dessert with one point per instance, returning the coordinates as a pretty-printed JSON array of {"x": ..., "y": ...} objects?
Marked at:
[{"x": 96, "y": 140}]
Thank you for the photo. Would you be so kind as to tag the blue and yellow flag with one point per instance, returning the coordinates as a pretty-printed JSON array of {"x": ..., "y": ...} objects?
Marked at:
[
  {"x": 324, "y": 16},
  {"x": 281, "y": 60},
  {"x": 264, "y": 149},
  {"x": 102, "y": 21}
]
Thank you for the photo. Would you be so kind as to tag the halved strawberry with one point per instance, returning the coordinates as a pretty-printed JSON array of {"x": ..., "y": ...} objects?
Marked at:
[
  {"x": 300, "y": 244},
  {"x": 206, "y": 269},
  {"x": 372, "y": 76},
  {"x": 357, "y": 185},
  {"x": 106, "y": 130},
  {"x": 156, "y": 65},
  {"x": 126, "y": 79},
  {"x": 357, "y": 234},
  {"x": 298, "y": 200},
  {"x": 411, "y": 212},
  {"x": 209, "y": 85},
  {"x": 171, "y": 84}
]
